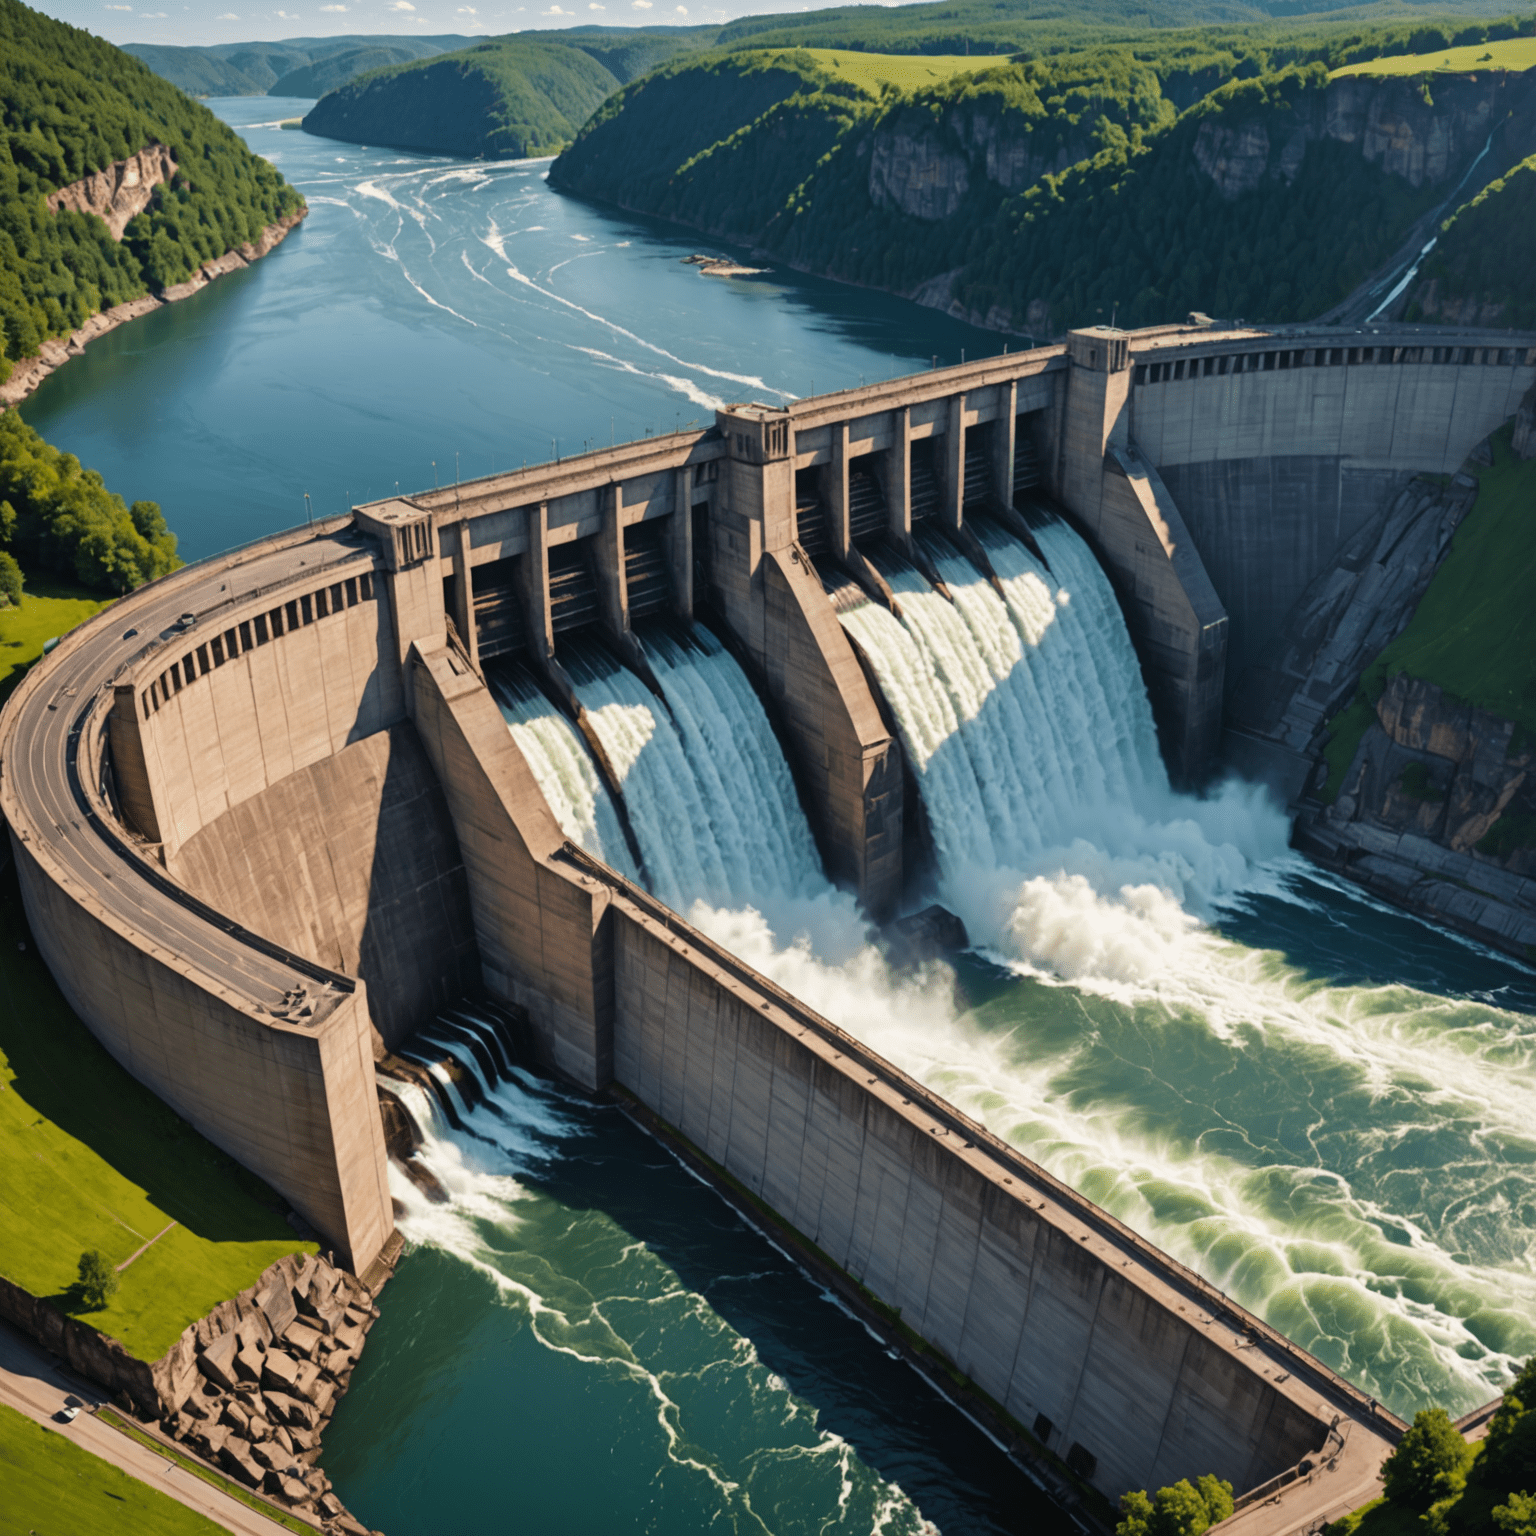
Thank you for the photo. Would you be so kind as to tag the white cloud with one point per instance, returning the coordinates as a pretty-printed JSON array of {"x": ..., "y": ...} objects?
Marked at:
[
  {"x": 595, "y": 7},
  {"x": 229, "y": 16},
  {"x": 333, "y": 8},
  {"x": 467, "y": 10},
  {"x": 119, "y": 7},
  {"x": 555, "y": 10},
  {"x": 639, "y": 5},
  {"x": 682, "y": 10},
  {"x": 401, "y": 5}
]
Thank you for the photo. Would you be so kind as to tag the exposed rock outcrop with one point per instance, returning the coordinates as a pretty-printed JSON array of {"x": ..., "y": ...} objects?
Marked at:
[
  {"x": 120, "y": 192},
  {"x": 55, "y": 352},
  {"x": 925, "y": 165},
  {"x": 1429, "y": 782},
  {"x": 1396, "y": 123},
  {"x": 251, "y": 1387},
  {"x": 1434, "y": 804},
  {"x": 1349, "y": 614},
  {"x": 1524, "y": 440}
]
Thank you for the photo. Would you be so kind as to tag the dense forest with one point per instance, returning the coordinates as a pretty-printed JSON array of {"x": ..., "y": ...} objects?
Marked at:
[
  {"x": 279, "y": 69},
  {"x": 507, "y": 98},
  {"x": 74, "y": 104},
  {"x": 1202, "y": 169},
  {"x": 1481, "y": 271},
  {"x": 57, "y": 517},
  {"x": 503, "y": 100}
]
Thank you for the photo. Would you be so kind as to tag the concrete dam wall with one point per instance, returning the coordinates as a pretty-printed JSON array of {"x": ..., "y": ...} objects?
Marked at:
[{"x": 272, "y": 802}]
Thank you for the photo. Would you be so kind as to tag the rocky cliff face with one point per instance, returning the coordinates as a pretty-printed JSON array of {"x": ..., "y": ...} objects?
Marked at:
[
  {"x": 924, "y": 165},
  {"x": 1434, "y": 766},
  {"x": 1408, "y": 131},
  {"x": 119, "y": 193}
]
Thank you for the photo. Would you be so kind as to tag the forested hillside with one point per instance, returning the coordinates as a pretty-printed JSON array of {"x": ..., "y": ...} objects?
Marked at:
[
  {"x": 1482, "y": 272},
  {"x": 256, "y": 69},
  {"x": 1223, "y": 169},
  {"x": 502, "y": 100},
  {"x": 73, "y": 106}
]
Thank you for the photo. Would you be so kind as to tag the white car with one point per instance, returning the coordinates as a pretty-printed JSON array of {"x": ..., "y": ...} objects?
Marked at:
[{"x": 70, "y": 1414}]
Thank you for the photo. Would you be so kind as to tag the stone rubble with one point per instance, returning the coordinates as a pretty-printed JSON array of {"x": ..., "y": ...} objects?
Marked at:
[{"x": 269, "y": 1370}]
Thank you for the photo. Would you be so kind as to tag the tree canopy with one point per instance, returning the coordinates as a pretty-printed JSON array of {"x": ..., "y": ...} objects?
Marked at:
[{"x": 72, "y": 104}]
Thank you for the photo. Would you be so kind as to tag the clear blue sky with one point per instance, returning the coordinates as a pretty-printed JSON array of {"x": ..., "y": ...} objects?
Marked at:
[{"x": 232, "y": 21}]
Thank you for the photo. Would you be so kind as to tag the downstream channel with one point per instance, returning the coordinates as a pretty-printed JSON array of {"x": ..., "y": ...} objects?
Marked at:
[{"x": 1322, "y": 1105}]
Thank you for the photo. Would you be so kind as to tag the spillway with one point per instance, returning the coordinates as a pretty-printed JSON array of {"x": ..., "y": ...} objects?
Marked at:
[
  {"x": 562, "y": 767},
  {"x": 1336, "y": 1149},
  {"x": 708, "y": 792}
]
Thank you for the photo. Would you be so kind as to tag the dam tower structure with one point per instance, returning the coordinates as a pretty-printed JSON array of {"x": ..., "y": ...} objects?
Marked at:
[{"x": 268, "y": 816}]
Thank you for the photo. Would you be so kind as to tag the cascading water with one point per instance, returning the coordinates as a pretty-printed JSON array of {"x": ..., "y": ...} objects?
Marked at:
[
  {"x": 1345, "y": 1154},
  {"x": 562, "y": 767},
  {"x": 648, "y": 1331},
  {"x": 1341, "y": 1158}
]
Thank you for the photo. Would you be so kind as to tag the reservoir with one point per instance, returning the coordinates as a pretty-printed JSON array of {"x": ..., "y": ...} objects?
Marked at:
[{"x": 1323, "y": 1106}]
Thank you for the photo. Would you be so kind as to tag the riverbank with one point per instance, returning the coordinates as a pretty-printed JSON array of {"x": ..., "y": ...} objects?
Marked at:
[{"x": 57, "y": 350}]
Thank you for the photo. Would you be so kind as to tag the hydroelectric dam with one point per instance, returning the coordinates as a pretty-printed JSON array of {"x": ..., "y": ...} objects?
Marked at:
[{"x": 274, "y": 813}]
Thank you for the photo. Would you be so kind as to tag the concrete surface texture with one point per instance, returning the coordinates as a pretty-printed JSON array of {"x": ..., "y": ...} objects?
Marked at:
[
  {"x": 266, "y": 1053},
  {"x": 351, "y": 862},
  {"x": 1278, "y": 450}
]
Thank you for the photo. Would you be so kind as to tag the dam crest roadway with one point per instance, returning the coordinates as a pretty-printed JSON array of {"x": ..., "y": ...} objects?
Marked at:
[{"x": 173, "y": 773}]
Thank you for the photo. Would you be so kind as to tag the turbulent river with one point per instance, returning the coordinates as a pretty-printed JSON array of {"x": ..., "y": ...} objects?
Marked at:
[{"x": 1324, "y": 1106}]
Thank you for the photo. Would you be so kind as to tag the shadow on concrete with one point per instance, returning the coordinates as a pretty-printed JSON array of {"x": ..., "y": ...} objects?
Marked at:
[
  {"x": 417, "y": 951},
  {"x": 65, "y": 1076}
]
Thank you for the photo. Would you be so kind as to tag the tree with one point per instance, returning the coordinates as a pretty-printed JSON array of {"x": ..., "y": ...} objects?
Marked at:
[
  {"x": 1184, "y": 1509},
  {"x": 1516, "y": 1517},
  {"x": 1429, "y": 1460},
  {"x": 98, "y": 1279},
  {"x": 10, "y": 581}
]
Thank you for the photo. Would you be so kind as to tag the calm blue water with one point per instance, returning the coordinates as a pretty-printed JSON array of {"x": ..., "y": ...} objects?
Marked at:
[{"x": 430, "y": 310}]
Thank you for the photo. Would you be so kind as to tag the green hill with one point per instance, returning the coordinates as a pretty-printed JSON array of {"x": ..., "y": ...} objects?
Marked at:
[
  {"x": 506, "y": 99},
  {"x": 74, "y": 104},
  {"x": 330, "y": 73},
  {"x": 263, "y": 69},
  {"x": 1218, "y": 169},
  {"x": 1481, "y": 271}
]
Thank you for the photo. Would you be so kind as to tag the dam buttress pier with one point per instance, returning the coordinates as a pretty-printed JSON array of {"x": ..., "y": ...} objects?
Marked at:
[{"x": 269, "y": 818}]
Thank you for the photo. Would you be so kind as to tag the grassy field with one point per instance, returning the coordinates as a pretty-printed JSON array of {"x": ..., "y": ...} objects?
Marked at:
[
  {"x": 1474, "y": 632},
  {"x": 48, "y": 608},
  {"x": 225, "y": 1485},
  {"x": 89, "y": 1158},
  {"x": 908, "y": 71},
  {"x": 1512, "y": 53},
  {"x": 54, "y": 1488}
]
